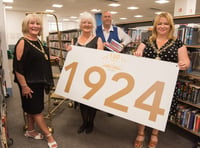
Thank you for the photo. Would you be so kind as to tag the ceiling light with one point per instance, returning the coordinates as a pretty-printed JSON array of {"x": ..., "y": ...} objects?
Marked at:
[
  {"x": 65, "y": 19},
  {"x": 161, "y": 1},
  {"x": 57, "y": 5},
  {"x": 132, "y": 8},
  {"x": 113, "y": 12},
  {"x": 114, "y": 5},
  {"x": 73, "y": 17},
  {"x": 138, "y": 16},
  {"x": 49, "y": 15},
  {"x": 95, "y": 10},
  {"x": 8, "y": 1},
  {"x": 49, "y": 10},
  {"x": 123, "y": 18},
  {"x": 159, "y": 12},
  {"x": 8, "y": 7}
]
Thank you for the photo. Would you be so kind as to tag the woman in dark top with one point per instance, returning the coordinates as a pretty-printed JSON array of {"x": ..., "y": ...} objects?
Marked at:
[
  {"x": 162, "y": 45},
  {"x": 32, "y": 70},
  {"x": 88, "y": 39}
]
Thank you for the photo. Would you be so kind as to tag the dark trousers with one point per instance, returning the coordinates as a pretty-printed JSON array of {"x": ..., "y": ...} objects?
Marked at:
[{"x": 88, "y": 114}]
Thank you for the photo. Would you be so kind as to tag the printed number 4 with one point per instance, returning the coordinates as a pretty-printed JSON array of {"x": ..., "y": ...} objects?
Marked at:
[{"x": 157, "y": 87}]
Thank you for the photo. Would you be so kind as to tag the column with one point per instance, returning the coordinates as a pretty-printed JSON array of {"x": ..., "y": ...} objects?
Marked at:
[{"x": 98, "y": 19}]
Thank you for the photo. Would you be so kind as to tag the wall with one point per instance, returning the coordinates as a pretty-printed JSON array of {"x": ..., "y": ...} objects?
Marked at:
[
  {"x": 13, "y": 27},
  {"x": 14, "y": 20}
]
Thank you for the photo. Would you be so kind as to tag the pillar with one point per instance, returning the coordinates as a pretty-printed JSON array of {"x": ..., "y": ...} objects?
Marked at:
[{"x": 98, "y": 19}]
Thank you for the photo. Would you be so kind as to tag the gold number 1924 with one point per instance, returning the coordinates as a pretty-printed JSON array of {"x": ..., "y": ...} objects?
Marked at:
[{"x": 157, "y": 87}]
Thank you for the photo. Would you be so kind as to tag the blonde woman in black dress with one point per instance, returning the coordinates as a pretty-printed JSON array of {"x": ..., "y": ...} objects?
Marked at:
[
  {"x": 162, "y": 45},
  {"x": 32, "y": 70}
]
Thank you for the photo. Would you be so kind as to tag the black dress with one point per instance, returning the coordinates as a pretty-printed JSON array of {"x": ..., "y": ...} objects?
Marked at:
[
  {"x": 168, "y": 52},
  {"x": 37, "y": 73}
]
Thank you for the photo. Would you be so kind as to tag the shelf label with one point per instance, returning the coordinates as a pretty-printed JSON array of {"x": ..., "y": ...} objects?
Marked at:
[{"x": 135, "y": 88}]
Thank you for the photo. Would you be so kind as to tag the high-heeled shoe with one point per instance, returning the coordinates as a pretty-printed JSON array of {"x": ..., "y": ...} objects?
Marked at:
[
  {"x": 51, "y": 144},
  {"x": 139, "y": 143},
  {"x": 82, "y": 128},
  {"x": 28, "y": 134},
  {"x": 89, "y": 128},
  {"x": 153, "y": 144}
]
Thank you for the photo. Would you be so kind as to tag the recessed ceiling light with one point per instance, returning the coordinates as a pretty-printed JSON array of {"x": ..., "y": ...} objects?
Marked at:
[
  {"x": 95, "y": 10},
  {"x": 123, "y": 18},
  {"x": 114, "y": 5},
  {"x": 49, "y": 10},
  {"x": 49, "y": 15},
  {"x": 57, "y": 5},
  {"x": 8, "y": 1},
  {"x": 138, "y": 15},
  {"x": 161, "y": 1},
  {"x": 65, "y": 19},
  {"x": 132, "y": 8},
  {"x": 159, "y": 12},
  {"x": 113, "y": 12},
  {"x": 73, "y": 17},
  {"x": 8, "y": 7}
]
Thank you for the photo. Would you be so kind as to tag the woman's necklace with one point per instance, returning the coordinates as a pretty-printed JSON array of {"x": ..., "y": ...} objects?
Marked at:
[
  {"x": 87, "y": 40},
  {"x": 158, "y": 51},
  {"x": 41, "y": 50}
]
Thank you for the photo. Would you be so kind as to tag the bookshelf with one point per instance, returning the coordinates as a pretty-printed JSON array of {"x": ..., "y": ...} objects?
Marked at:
[
  {"x": 187, "y": 81},
  {"x": 4, "y": 139},
  {"x": 66, "y": 38}
]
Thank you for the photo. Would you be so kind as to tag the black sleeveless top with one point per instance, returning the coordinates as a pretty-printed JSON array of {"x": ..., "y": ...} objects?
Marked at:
[
  {"x": 33, "y": 65},
  {"x": 91, "y": 44}
]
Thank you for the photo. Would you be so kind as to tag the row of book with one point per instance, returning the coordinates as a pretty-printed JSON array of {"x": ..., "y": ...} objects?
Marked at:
[
  {"x": 57, "y": 45},
  {"x": 56, "y": 52},
  {"x": 188, "y": 33},
  {"x": 186, "y": 90},
  {"x": 139, "y": 34},
  {"x": 64, "y": 36},
  {"x": 195, "y": 62},
  {"x": 188, "y": 118}
]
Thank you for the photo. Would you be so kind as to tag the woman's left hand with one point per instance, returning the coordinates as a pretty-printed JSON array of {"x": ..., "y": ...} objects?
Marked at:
[
  {"x": 27, "y": 92},
  {"x": 182, "y": 66}
]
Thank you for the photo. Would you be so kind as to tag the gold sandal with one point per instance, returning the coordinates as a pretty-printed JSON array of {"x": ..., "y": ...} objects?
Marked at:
[
  {"x": 153, "y": 144},
  {"x": 139, "y": 143}
]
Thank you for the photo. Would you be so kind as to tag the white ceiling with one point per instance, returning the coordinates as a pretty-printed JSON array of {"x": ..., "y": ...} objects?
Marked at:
[{"x": 147, "y": 8}]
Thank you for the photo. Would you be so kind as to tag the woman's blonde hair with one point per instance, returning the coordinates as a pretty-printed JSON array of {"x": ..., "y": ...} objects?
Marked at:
[
  {"x": 170, "y": 20},
  {"x": 90, "y": 17},
  {"x": 27, "y": 20}
]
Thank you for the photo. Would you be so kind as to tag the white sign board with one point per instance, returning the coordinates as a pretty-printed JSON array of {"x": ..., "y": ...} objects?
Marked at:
[{"x": 135, "y": 88}]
